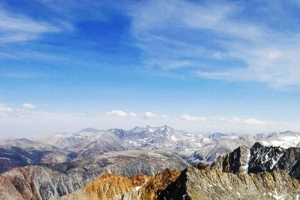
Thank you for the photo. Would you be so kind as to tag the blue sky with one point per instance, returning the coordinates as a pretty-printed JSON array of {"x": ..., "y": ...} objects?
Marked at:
[{"x": 230, "y": 66}]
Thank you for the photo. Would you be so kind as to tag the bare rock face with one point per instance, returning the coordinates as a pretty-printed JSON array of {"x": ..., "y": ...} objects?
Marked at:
[
  {"x": 159, "y": 183},
  {"x": 195, "y": 184},
  {"x": 113, "y": 187},
  {"x": 36, "y": 182},
  {"x": 258, "y": 158},
  {"x": 290, "y": 162},
  {"x": 264, "y": 158},
  {"x": 202, "y": 166},
  {"x": 234, "y": 162}
]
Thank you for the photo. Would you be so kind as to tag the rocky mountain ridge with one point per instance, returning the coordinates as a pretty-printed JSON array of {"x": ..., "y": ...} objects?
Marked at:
[
  {"x": 195, "y": 184},
  {"x": 89, "y": 143},
  {"x": 260, "y": 158}
]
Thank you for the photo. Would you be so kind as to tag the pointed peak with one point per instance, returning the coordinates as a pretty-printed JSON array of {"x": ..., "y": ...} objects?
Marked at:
[{"x": 257, "y": 145}]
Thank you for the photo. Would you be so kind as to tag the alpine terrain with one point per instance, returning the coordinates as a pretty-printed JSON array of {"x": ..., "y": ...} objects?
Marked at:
[{"x": 132, "y": 164}]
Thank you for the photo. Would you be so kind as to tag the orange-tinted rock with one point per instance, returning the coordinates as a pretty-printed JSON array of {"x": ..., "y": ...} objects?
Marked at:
[
  {"x": 115, "y": 187},
  {"x": 202, "y": 166}
]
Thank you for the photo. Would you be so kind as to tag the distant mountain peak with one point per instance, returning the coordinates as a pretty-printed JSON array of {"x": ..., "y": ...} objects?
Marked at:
[{"x": 92, "y": 130}]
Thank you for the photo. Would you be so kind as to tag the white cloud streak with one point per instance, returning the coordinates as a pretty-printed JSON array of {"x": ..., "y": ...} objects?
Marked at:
[
  {"x": 192, "y": 119},
  {"x": 253, "y": 121},
  {"x": 117, "y": 113},
  {"x": 28, "y": 122},
  {"x": 131, "y": 114},
  {"x": 19, "y": 28},
  {"x": 28, "y": 105},
  {"x": 146, "y": 116},
  {"x": 150, "y": 115},
  {"x": 5, "y": 109}
]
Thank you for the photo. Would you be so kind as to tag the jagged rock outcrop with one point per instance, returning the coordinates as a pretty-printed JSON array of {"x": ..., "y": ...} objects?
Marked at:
[
  {"x": 290, "y": 161},
  {"x": 195, "y": 184},
  {"x": 234, "y": 162},
  {"x": 264, "y": 158},
  {"x": 258, "y": 158},
  {"x": 113, "y": 187}
]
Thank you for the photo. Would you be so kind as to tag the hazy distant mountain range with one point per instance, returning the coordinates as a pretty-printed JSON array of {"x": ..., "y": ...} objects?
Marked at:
[
  {"x": 90, "y": 143},
  {"x": 57, "y": 164}
]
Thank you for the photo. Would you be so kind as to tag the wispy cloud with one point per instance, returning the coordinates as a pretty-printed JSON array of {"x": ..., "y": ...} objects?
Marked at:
[
  {"x": 223, "y": 120},
  {"x": 253, "y": 121},
  {"x": 132, "y": 114},
  {"x": 5, "y": 109},
  {"x": 18, "y": 28},
  {"x": 150, "y": 115},
  {"x": 119, "y": 113},
  {"x": 146, "y": 116},
  {"x": 193, "y": 119},
  {"x": 215, "y": 41},
  {"x": 28, "y": 105},
  {"x": 24, "y": 122}
]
